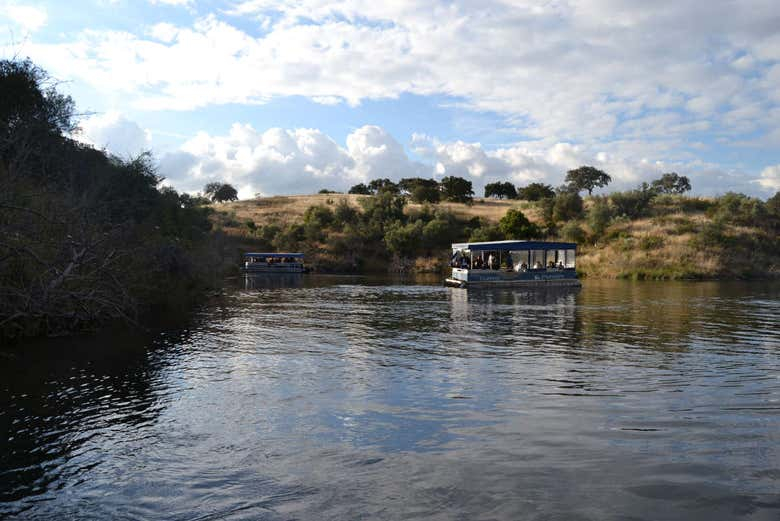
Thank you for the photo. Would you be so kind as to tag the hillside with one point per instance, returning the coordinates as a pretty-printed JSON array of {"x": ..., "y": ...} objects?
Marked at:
[{"x": 670, "y": 237}]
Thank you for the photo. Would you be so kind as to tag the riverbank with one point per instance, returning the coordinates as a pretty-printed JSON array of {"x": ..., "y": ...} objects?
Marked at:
[{"x": 672, "y": 238}]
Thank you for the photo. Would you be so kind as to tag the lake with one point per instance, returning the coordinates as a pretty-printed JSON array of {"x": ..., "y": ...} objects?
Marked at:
[{"x": 357, "y": 398}]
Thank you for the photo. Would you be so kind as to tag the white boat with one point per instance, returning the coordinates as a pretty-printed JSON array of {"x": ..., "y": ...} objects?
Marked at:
[
  {"x": 273, "y": 263},
  {"x": 513, "y": 263}
]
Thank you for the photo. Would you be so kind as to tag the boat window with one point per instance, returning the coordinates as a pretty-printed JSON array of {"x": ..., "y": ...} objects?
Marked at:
[
  {"x": 570, "y": 254},
  {"x": 521, "y": 259},
  {"x": 537, "y": 259}
]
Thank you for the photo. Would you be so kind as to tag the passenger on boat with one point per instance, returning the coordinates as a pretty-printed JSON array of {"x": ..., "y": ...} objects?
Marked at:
[
  {"x": 491, "y": 262},
  {"x": 560, "y": 265},
  {"x": 537, "y": 265},
  {"x": 524, "y": 266},
  {"x": 464, "y": 263}
]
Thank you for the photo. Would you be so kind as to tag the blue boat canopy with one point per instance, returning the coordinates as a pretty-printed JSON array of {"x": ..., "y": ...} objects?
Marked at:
[
  {"x": 273, "y": 255},
  {"x": 514, "y": 246}
]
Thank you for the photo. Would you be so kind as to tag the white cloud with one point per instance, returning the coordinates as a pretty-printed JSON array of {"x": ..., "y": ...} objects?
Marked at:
[
  {"x": 115, "y": 133},
  {"x": 770, "y": 178},
  {"x": 30, "y": 18},
  {"x": 302, "y": 161},
  {"x": 579, "y": 71}
]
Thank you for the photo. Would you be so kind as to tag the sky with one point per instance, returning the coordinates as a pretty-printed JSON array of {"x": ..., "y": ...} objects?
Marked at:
[{"x": 289, "y": 97}]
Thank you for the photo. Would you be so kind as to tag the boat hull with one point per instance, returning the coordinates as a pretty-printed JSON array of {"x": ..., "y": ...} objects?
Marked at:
[
  {"x": 543, "y": 283},
  {"x": 273, "y": 269}
]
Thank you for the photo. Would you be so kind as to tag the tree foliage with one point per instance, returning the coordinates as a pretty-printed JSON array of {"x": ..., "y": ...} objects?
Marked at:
[
  {"x": 501, "y": 190},
  {"x": 515, "y": 225},
  {"x": 360, "y": 189},
  {"x": 220, "y": 192},
  {"x": 420, "y": 190},
  {"x": 587, "y": 178},
  {"x": 457, "y": 189},
  {"x": 84, "y": 236},
  {"x": 671, "y": 183},
  {"x": 535, "y": 192}
]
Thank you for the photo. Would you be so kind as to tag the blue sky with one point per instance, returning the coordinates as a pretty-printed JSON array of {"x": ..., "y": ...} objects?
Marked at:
[{"x": 293, "y": 96}]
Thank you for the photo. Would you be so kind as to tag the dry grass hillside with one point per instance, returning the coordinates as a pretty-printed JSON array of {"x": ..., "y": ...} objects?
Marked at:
[
  {"x": 285, "y": 209},
  {"x": 676, "y": 238}
]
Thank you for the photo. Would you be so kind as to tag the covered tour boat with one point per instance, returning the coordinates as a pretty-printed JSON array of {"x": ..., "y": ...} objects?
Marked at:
[
  {"x": 273, "y": 263},
  {"x": 504, "y": 263}
]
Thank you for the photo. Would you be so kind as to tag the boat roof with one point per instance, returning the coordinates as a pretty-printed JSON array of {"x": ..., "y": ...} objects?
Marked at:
[
  {"x": 274, "y": 255},
  {"x": 514, "y": 245}
]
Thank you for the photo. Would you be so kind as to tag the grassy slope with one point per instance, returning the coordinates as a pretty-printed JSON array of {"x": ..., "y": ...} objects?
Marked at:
[{"x": 667, "y": 247}]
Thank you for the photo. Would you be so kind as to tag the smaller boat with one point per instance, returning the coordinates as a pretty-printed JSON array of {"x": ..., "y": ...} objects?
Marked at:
[
  {"x": 273, "y": 263},
  {"x": 513, "y": 263}
]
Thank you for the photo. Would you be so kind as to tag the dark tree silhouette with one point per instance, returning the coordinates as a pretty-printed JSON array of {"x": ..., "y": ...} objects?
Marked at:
[
  {"x": 360, "y": 189},
  {"x": 501, "y": 190},
  {"x": 587, "y": 178},
  {"x": 457, "y": 189},
  {"x": 671, "y": 183},
  {"x": 220, "y": 192},
  {"x": 535, "y": 192}
]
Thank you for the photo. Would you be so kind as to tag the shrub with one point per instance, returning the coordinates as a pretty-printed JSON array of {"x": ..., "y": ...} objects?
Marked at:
[
  {"x": 739, "y": 209},
  {"x": 632, "y": 203},
  {"x": 571, "y": 231},
  {"x": 486, "y": 233},
  {"x": 567, "y": 206},
  {"x": 515, "y": 225},
  {"x": 404, "y": 239},
  {"x": 535, "y": 192},
  {"x": 344, "y": 214},
  {"x": 650, "y": 242},
  {"x": 318, "y": 216},
  {"x": 599, "y": 217}
]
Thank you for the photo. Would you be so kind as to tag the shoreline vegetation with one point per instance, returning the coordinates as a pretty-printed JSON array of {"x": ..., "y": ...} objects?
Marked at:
[
  {"x": 88, "y": 238},
  {"x": 636, "y": 235}
]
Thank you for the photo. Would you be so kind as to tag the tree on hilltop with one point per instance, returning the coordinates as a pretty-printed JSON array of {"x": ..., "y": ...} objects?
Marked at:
[
  {"x": 501, "y": 190},
  {"x": 220, "y": 192},
  {"x": 587, "y": 178},
  {"x": 671, "y": 183}
]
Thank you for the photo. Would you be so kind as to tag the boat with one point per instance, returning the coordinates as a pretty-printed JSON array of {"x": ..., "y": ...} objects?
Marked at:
[
  {"x": 273, "y": 263},
  {"x": 513, "y": 263}
]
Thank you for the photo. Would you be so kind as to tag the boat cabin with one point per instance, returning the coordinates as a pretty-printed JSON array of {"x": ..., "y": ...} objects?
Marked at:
[
  {"x": 273, "y": 262},
  {"x": 513, "y": 262}
]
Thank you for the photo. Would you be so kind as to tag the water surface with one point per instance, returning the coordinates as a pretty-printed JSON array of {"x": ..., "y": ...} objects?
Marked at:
[{"x": 346, "y": 398}]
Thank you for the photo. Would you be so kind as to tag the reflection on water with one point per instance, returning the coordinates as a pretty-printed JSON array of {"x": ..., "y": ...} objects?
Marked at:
[{"x": 356, "y": 398}]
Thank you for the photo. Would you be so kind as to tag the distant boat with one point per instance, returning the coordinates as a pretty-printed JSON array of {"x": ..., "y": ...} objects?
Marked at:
[
  {"x": 513, "y": 263},
  {"x": 273, "y": 263}
]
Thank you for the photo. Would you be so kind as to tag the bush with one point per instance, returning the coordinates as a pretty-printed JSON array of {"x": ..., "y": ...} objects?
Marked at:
[
  {"x": 573, "y": 232},
  {"x": 344, "y": 214},
  {"x": 599, "y": 217},
  {"x": 535, "y": 192},
  {"x": 404, "y": 239},
  {"x": 567, "y": 206},
  {"x": 318, "y": 216},
  {"x": 632, "y": 203},
  {"x": 486, "y": 233},
  {"x": 515, "y": 225},
  {"x": 651, "y": 242},
  {"x": 739, "y": 209}
]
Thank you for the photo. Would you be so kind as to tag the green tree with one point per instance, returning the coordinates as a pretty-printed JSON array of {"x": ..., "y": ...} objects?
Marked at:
[
  {"x": 420, "y": 190},
  {"x": 515, "y": 225},
  {"x": 587, "y": 178},
  {"x": 457, "y": 189},
  {"x": 383, "y": 185},
  {"x": 404, "y": 239},
  {"x": 633, "y": 203},
  {"x": 599, "y": 217},
  {"x": 671, "y": 183},
  {"x": 572, "y": 231},
  {"x": 535, "y": 192},
  {"x": 501, "y": 190},
  {"x": 220, "y": 192},
  {"x": 360, "y": 189},
  {"x": 567, "y": 206}
]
